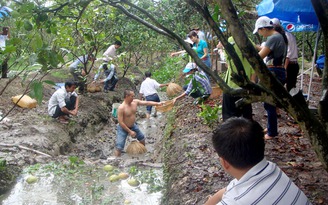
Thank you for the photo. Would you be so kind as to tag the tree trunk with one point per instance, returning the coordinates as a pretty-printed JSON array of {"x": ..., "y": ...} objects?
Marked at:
[{"x": 4, "y": 68}]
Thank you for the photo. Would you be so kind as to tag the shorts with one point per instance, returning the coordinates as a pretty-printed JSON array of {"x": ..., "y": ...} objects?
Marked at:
[{"x": 121, "y": 136}]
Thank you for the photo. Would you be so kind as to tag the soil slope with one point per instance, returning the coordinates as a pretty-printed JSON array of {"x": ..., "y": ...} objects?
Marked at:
[{"x": 194, "y": 169}]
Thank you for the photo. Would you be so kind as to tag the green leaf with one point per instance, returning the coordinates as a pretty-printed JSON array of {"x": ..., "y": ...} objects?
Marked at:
[
  {"x": 50, "y": 82},
  {"x": 36, "y": 43},
  {"x": 27, "y": 25},
  {"x": 37, "y": 91}
]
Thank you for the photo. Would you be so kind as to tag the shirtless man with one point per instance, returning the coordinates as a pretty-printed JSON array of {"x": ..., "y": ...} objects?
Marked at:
[{"x": 126, "y": 120}]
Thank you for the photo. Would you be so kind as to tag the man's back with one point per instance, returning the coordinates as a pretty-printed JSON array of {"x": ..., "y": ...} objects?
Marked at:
[
  {"x": 149, "y": 86},
  {"x": 265, "y": 183}
]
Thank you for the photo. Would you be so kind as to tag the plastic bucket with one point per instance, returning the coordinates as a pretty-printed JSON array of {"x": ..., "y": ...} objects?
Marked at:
[{"x": 114, "y": 109}]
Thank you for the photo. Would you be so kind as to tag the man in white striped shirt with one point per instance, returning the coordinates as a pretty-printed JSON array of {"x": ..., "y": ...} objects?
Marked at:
[{"x": 240, "y": 145}]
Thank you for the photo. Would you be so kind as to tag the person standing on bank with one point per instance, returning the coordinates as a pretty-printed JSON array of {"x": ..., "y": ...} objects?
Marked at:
[
  {"x": 77, "y": 69},
  {"x": 291, "y": 63},
  {"x": 126, "y": 121},
  {"x": 64, "y": 102},
  {"x": 148, "y": 89},
  {"x": 239, "y": 143},
  {"x": 5, "y": 35},
  {"x": 229, "y": 108},
  {"x": 200, "y": 33},
  {"x": 201, "y": 48},
  {"x": 274, "y": 49}
]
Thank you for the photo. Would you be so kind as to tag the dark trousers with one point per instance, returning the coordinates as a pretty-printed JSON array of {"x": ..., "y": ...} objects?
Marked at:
[
  {"x": 292, "y": 72},
  {"x": 155, "y": 98},
  {"x": 195, "y": 94},
  {"x": 229, "y": 108},
  {"x": 70, "y": 105},
  {"x": 272, "y": 122},
  {"x": 110, "y": 84}
]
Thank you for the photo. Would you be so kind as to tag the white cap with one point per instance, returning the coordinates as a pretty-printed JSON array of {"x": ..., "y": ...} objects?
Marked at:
[
  {"x": 275, "y": 21},
  {"x": 262, "y": 22},
  {"x": 189, "y": 67}
]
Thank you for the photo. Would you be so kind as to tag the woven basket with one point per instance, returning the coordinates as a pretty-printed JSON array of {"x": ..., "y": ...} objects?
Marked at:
[
  {"x": 167, "y": 106},
  {"x": 92, "y": 88},
  {"x": 173, "y": 89},
  {"x": 135, "y": 147},
  {"x": 216, "y": 92}
]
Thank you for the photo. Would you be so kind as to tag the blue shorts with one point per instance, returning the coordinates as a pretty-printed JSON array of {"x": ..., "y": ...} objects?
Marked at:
[{"x": 121, "y": 135}]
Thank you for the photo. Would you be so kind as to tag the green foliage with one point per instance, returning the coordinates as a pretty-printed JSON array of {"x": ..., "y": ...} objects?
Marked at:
[
  {"x": 209, "y": 114},
  {"x": 133, "y": 170},
  {"x": 154, "y": 184},
  {"x": 59, "y": 74},
  {"x": 3, "y": 164},
  {"x": 167, "y": 70},
  {"x": 75, "y": 161},
  {"x": 37, "y": 91}
]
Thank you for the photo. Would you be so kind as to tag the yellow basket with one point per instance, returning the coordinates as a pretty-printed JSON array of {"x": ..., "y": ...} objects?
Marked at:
[
  {"x": 216, "y": 92},
  {"x": 167, "y": 106}
]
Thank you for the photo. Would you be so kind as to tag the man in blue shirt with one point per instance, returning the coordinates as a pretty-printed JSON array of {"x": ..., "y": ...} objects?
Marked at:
[{"x": 111, "y": 77}]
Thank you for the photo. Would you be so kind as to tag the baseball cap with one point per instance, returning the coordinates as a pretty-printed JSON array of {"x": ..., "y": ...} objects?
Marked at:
[
  {"x": 275, "y": 21},
  {"x": 262, "y": 22},
  {"x": 189, "y": 67}
]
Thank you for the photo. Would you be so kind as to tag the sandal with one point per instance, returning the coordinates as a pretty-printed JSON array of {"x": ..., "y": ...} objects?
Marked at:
[{"x": 63, "y": 121}]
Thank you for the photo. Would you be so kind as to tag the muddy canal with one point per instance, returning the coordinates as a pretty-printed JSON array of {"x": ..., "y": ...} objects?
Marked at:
[{"x": 76, "y": 181}]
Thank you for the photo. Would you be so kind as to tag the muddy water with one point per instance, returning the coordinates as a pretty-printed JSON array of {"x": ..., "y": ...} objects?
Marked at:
[{"x": 73, "y": 183}]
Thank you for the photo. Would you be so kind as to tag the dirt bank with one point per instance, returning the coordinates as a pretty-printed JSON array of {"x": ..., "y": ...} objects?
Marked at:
[{"x": 193, "y": 168}]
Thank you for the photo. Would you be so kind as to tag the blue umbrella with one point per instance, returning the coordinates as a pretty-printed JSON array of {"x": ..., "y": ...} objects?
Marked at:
[
  {"x": 4, "y": 11},
  {"x": 296, "y": 11}
]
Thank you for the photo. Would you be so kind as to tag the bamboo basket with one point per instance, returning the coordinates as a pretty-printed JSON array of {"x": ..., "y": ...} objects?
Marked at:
[
  {"x": 216, "y": 92},
  {"x": 173, "y": 89},
  {"x": 92, "y": 88},
  {"x": 167, "y": 106},
  {"x": 135, "y": 147}
]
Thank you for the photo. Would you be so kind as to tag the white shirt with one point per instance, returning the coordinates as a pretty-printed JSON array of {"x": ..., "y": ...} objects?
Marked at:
[
  {"x": 201, "y": 35},
  {"x": 81, "y": 59},
  {"x": 58, "y": 98},
  {"x": 110, "y": 53},
  {"x": 3, "y": 39},
  {"x": 292, "y": 52},
  {"x": 263, "y": 184},
  {"x": 149, "y": 87}
]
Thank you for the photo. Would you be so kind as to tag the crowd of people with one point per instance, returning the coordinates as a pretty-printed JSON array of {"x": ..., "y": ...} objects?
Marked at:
[
  {"x": 279, "y": 53},
  {"x": 238, "y": 141}
]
